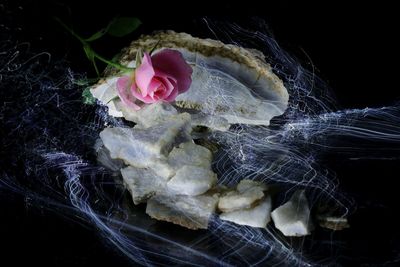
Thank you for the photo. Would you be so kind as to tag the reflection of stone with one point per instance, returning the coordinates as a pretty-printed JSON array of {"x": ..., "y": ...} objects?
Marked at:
[
  {"x": 246, "y": 193},
  {"x": 334, "y": 223},
  {"x": 258, "y": 216},
  {"x": 293, "y": 217},
  {"x": 142, "y": 183},
  {"x": 192, "y": 212},
  {"x": 192, "y": 180}
]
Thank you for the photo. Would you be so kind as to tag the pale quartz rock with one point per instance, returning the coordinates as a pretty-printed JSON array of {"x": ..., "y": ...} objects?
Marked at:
[
  {"x": 293, "y": 217},
  {"x": 142, "y": 183},
  {"x": 189, "y": 153},
  {"x": 104, "y": 158},
  {"x": 106, "y": 92},
  {"x": 247, "y": 184},
  {"x": 212, "y": 122},
  {"x": 148, "y": 115},
  {"x": 148, "y": 148},
  {"x": 247, "y": 192},
  {"x": 228, "y": 81},
  {"x": 258, "y": 216},
  {"x": 192, "y": 181},
  {"x": 192, "y": 212}
]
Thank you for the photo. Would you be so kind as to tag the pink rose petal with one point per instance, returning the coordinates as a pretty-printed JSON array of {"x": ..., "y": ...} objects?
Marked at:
[
  {"x": 159, "y": 78},
  {"x": 124, "y": 85},
  {"x": 144, "y": 74},
  {"x": 172, "y": 63},
  {"x": 172, "y": 96},
  {"x": 146, "y": 99}
]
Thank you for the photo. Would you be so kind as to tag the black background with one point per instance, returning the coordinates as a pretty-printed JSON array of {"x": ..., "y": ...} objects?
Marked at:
[{"x": 354, "y": 48}]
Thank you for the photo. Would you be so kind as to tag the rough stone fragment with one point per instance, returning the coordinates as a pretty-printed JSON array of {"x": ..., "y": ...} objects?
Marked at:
[
  {"x": 148, "y": 148},
  {"x": 142, "y": 183},
  {"x": 258, "y": 216},
  {"x": 293, "y": 217},
  {"x": 104, "y": 158},
  {"x": 189, "y": 153},
  {"x": 246, "y": 193},
  {"x": 192, "y": 180}
]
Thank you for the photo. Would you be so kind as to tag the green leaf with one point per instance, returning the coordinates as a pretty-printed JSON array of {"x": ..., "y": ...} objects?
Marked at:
[
  {"x": 88, "y": 98},
  {"x": 123, "y": 26},
  {"x": 97, "y": 35},
  {"x": 85, "y": 81},
  {"x": 89, "y": 52},
  {"x": 91, "y": 56}
]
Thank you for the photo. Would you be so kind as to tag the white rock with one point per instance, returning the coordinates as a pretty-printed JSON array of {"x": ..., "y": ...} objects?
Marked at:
[
  {"x": 105, "y": 91},
  {"x": 188, "y": 211},
  {"x": 212, "y": 122},
  {"x": 148, "y": 115},
  {"x": 148, "y": 148},
  {"x": 142, "y": 183},
  {"x": 189, "y": 153},
  {"x": 192, "y": 181},
  {"x": 229, "y": 82},
  {"x": 244, "y": 185},
  {"x": 293, "y": 217},
  {"x": 104, "y": 158},
  {"x": 246, "y": 193},
  {"x": 259, "y": 216}
]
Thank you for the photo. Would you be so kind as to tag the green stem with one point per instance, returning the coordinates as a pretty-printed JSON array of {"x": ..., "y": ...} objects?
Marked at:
[
  {"x": 85, "y": 43},
  {"x": 71, "y": 31},
  {"x": 112, "y": 63}
]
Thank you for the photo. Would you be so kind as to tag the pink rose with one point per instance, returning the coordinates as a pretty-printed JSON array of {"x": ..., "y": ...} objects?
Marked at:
[{"x": 160, "y": 77}]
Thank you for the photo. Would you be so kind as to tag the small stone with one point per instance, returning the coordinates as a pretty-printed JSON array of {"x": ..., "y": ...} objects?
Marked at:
[
  {"x": 247, "y": 192},
  {"x": 244, "y": 185},
  {"x": 189, "y": 153},
  {"x": 258, "y": 216},
  {"x": 192, "y": 180},
  {"x": 293, "y": 217}
]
